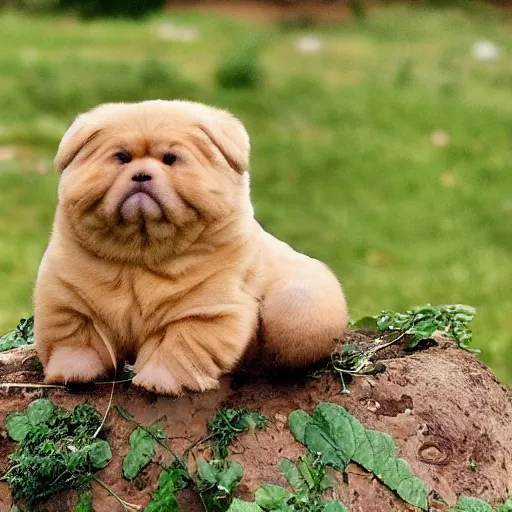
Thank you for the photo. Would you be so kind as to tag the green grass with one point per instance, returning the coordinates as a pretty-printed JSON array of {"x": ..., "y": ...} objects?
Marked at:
[{"x": 343, "y": 167}]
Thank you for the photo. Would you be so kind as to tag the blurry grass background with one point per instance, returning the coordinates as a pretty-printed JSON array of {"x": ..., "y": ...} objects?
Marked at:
[{"x": 387, "y": 153}]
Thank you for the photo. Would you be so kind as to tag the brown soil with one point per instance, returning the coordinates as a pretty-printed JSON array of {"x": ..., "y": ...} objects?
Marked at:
[{"x": 441, "y": 405}]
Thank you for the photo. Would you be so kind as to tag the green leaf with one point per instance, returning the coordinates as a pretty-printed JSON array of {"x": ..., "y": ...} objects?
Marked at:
[
  {"x": 8, "y": 341},
  {"x": 87, "y": 416},
  {"x": 393, "y": 472},
  {"x": 310, "y": 474},
  {"x": 466, "y": 504},
  {"x": 272, "y": 496},
  {"x": 292, "y": 474},
  {"x": 425, "y": 328},
  {"x": 505, "y": 507},
  {"x": 421, "y": 323},
  {"x": 339, "y": 438},
  {"x": 414, "y": 491},
  {"x": 243, "y": 506},
  {"x": 142, "y": 449},
  {"x": 206, "y": 471},
  {"x": 307, "y": 476},
  {"x": 331, "y": 434},
  {"x": 381, "y": 447},
  {"x": 319, "y": 441},
  {"x": 257, "y": 420},
  {"x": 393, "y": 321},
  {"x": 22, "y": 335},
  {"x": 230, "y": 478},
  {"x": 164, "y": 498},
  {"x": 84, "y": 502},
  {"x": 100, "y": 454},
  {"x": 228, "y": 424},
  {"x": 367, "y": 323},
  {"x": 334, "y": 506},
  {"x": 297, "y": 423},
  {"x": 215, "y": 481},
  {"x": 221, "y": 474},
  {"x": 17, "y": 425},
  {"x": 40, "y": 411}
]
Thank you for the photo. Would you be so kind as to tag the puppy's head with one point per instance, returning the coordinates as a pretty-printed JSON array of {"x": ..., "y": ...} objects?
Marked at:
[{"x": 148, "y": 178}]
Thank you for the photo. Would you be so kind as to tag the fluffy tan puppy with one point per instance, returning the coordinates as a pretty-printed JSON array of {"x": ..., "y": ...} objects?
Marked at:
[{"x": 155, "y": 256}]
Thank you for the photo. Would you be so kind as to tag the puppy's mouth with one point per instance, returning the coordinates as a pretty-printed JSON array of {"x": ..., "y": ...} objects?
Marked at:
[{"x": 140, "y": 204}]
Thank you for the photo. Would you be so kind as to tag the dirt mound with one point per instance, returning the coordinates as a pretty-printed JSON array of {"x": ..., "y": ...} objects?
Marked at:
[{"x": 449, "y": 416}]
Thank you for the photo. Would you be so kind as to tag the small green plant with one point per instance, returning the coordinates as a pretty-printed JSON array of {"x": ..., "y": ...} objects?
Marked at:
[
  {"x": 473, "y": 465},
  {"x": 240, "y": 70},
  {"x": 359, "y": 359},
  {"x": 170, "y": 481},
  {"x": 228, "y": 424},
  {"x": 421, "y": 323},
  {"x": 215, "y": 481},
  {"x": 418, "y": 324},
  {"x": 307, "y": 477},
  {"x": 57, "y": 450},
  {"x": 84, "y": 502},
  {"x": 340, "y": 438},
  {"x": 22, "y": 335},
  {"x": 142, "y": 446}
]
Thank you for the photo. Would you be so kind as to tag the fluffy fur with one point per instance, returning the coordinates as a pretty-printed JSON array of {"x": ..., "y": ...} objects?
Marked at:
[{"x": 155, "y": 256}]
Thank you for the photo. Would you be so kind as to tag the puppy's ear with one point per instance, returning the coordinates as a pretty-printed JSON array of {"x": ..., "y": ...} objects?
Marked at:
[
  {"x": 77, "y": 136},
  {"x": 230, "y": 137}
]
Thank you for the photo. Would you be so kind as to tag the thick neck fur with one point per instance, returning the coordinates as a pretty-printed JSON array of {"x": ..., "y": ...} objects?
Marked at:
[{"x": 168, "y": 256}]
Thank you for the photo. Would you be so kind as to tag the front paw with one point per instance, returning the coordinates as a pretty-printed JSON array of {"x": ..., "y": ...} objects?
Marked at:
[
  {"x": 70, "y": 364},
  {"x": 159, "y": 376}
]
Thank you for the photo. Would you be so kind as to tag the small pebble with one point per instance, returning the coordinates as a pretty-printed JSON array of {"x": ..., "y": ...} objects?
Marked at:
[
  {"x": 373, "y": 405},
  {"x": 281, "y": 418}
]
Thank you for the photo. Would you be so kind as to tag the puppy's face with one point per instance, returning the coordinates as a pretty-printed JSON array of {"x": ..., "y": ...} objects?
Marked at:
[{"x": 148, "y": 178}]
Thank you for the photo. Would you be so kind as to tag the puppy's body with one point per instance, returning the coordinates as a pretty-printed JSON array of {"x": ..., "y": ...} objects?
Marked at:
[{"x": 164, "y": 264}]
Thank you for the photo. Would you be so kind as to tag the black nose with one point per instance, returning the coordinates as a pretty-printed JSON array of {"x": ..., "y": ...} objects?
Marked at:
[{"x": 140, "y": 177}]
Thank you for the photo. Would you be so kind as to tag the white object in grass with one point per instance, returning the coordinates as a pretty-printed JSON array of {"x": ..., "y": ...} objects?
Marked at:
[
  {"x": 171, "y": 32},
  {"x": 485, "y": 50},
  {"x": 308, "y": 44}
]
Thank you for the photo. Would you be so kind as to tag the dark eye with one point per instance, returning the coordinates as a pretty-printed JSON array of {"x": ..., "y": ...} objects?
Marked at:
[
  {"x": 123, "y": 157},
  {"x": 169, "y": 158}
]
